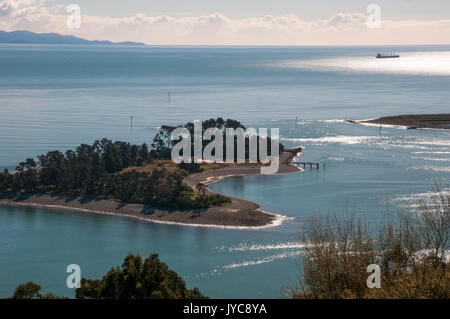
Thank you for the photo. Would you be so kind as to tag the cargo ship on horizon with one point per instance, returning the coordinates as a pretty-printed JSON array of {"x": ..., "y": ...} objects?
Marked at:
[{"x": 387, "y": 55}]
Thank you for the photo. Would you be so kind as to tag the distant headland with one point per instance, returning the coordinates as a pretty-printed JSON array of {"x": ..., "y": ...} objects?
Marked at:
[
  {"x": 27, "y": 37},
  {"x": 420, "y": 121}
]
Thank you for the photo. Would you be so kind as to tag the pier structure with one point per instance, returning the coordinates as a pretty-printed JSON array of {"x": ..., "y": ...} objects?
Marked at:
[{"x": 311, "y": 164}]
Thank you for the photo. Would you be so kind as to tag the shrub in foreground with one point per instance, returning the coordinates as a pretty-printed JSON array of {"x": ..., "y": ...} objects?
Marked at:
[
  {"x": 136, "y": 279},
  {"x": 411, "y": 251}
]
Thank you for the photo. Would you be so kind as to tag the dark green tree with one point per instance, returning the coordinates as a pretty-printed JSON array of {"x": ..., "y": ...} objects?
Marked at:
[
  {"x": 138, "y": 279},
  {"x": 31, "y": 290}
]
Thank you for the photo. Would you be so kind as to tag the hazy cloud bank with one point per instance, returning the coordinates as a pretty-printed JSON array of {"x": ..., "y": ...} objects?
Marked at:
[{"x": 341, "y": 28}]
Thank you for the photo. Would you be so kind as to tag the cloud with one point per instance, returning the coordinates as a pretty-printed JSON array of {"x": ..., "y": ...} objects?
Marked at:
[
  {"x": 347, "y": 19},
  {"x": 217, "y": 29}
]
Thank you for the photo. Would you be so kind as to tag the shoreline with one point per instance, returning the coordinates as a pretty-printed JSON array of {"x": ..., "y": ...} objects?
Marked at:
[
  {"x": 276, "y": 221},
  {"x": 239, "y": 214}
]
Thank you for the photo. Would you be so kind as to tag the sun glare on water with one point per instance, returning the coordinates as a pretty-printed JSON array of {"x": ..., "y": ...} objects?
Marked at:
[{"x": 420, "y": 63}]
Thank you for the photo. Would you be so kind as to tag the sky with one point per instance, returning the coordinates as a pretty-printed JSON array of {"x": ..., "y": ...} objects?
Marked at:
[{"x": 236, "y": 22}]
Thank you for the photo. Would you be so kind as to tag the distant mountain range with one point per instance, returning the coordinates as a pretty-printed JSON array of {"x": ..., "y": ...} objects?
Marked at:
[{"x": 26, "y": 37}]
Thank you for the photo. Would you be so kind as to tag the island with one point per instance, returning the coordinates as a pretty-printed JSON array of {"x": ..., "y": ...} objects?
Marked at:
[
  {"x": 420, "y": 121},
  {"x": 27, "y": 37},
  {"x": 142, "y": 182}
]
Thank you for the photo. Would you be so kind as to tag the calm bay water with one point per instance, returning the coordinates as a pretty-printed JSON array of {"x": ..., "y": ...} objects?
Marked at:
[{"x": 56, "y": 97}]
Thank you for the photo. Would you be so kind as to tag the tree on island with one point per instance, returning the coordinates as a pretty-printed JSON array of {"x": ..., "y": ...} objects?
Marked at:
[
  {"x": 107, "y": 170},
  {"x": 163, "y": 143},
  {"x": 28, "y": 164},
  {"x": 190, "y": 167},
  {"x": 100, "y": 171},
  {"x": 201, "y": 189}
]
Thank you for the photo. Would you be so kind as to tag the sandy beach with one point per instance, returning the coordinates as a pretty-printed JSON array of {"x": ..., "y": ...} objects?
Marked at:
[{"x": 239, "y": 214}]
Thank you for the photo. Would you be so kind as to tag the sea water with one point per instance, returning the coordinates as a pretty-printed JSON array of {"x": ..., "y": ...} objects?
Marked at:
[{"x": 56, "y": 97}]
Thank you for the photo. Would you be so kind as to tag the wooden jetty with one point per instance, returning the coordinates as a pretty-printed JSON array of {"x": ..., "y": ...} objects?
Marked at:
[{"x": 311, "y": 164}]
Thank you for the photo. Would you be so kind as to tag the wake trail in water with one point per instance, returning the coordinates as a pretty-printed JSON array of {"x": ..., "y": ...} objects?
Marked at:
[
  {"x": 263, "y": 260},
  {"x": 261, "y": 247}
]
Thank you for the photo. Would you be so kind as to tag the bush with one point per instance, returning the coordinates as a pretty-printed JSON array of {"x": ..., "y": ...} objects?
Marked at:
[{"x": 411, "y": 252}]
